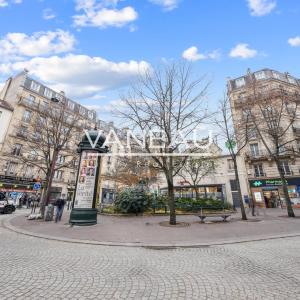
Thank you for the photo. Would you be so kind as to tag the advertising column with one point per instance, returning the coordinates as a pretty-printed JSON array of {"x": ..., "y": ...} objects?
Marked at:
[{"x": 84, "y": 210}]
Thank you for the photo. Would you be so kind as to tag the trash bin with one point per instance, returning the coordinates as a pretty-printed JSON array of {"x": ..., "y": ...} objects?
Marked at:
[{"x": 49, "y": 212}]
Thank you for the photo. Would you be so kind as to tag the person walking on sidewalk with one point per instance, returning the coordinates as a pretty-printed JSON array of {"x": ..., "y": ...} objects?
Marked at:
[{"x": 59, "y": 203}]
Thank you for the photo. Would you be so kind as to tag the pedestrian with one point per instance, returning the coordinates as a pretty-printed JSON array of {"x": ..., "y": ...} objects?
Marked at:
[{"x": 59, "y": 203}]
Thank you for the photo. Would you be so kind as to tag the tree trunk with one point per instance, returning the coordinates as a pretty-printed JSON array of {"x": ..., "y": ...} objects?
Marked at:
[
  {"x": 237, "y": 178},
  {"x": 171, "y": 201},
  {"x": 46, "y": 197},
  {"x": 197, "y": 193},
  {"x": 288, "y": 202}
]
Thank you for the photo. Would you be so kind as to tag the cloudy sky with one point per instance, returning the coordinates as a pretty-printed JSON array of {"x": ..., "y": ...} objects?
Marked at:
[{"x": 92, "y": 49}]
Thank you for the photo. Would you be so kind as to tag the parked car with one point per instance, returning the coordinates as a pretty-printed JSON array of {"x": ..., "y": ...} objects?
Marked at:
[{"x": 6, "y": 206}]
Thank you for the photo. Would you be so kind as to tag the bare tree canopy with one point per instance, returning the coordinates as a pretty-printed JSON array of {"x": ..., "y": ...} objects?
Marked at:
[
  {"x": 235, "y": 141},
  {"x": 169, "y": 104},
  {"x": 46, "y": 146}
]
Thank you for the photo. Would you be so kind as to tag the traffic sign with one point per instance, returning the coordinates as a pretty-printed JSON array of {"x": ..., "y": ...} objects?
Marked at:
[{"x": 37, "y": 186}]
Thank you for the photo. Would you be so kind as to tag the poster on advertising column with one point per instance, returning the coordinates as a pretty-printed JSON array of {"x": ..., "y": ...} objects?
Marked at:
[{"x": 86, "y": 180}]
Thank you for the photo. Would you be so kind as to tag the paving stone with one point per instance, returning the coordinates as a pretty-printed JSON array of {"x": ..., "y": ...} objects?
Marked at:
[{"x": 33, "y": 268}]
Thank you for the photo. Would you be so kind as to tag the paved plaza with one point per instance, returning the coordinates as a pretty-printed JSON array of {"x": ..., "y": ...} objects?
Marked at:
[
  {"x": 146, "y": 230},
  {"x": 35, "y": 268}
]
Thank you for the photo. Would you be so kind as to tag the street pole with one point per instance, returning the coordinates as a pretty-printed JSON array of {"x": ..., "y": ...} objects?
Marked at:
[{"x": 84, "y": 210}]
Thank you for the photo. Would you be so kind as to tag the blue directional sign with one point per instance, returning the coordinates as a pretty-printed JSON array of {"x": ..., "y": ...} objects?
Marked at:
[{"x": 37, "y": 186}]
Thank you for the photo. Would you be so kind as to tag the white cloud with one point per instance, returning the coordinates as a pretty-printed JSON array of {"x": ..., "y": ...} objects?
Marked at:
[
  {"x": 48, "y": 14},
  {"x": 4, "y": 3},
  {"x": 108, "y": 107},
  {"x": 260, "y": 8},
  {"x": 192, "y": 54},
  {"x": 17, "y": 45},
  {"x": 166, "y": 4},
  {"x": 242, "y": 51},
  {"x": 295, "y": 41},
  {"x": 79, "y": 75},
  {"x": 103, "y": 14}
]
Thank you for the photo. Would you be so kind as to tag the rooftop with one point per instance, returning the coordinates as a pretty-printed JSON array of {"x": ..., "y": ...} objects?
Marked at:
[{"x": 260, "y": 75}]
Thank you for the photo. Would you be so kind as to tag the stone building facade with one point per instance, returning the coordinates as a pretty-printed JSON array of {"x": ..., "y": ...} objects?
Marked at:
[
  {"x": 251, "y": 90},
  {"x": 22, "y": 101}
]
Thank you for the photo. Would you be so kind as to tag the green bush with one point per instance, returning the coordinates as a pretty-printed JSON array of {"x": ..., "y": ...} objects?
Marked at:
[
  {"x": 132, "y": 200},
  {"x": 188, "y": 204}
]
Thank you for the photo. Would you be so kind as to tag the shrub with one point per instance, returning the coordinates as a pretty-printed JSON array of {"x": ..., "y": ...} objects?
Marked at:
[
  {"x": 132, "y": 200},
  {"x": 188, "y": 204}
]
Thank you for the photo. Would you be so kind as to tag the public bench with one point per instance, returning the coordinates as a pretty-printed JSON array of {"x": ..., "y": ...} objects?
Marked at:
[{"x": 213, "y": 212}]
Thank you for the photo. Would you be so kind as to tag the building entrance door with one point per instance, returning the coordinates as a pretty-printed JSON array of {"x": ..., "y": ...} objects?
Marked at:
[{"x": 271, "y": 197}]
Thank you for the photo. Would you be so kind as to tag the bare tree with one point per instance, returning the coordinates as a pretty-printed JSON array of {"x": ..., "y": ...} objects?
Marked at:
[
  {"x": 195, "y": 169},
  {"x": 131, "y": 171},
  {"x": 273, "y": 114},
  {"x": 47, "y": 143},
  {"x": 167, "y": 101},
  {"x": 236, "y": 140}
]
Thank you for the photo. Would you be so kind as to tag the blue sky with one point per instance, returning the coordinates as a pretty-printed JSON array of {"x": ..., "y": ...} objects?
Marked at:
[{"x": 92, "y": 49}]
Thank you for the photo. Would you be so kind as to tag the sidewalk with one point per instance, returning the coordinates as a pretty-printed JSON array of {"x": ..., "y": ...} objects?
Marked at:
[{"x": 146, "y": 231}]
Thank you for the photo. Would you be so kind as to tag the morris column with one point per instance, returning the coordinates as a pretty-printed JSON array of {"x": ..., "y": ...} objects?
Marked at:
[{"x": 84, "y": 210}]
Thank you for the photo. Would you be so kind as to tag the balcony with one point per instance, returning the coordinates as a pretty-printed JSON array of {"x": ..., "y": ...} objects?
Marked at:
[
  {"x": 16, "y": 179},
  {"x": 259, "y": 175},
  {"x": 269, "y": 94},
  {"x": 21, "y": 134},
  {"x": 28, "y": 103},
  {"x": 288, "y": 151}
]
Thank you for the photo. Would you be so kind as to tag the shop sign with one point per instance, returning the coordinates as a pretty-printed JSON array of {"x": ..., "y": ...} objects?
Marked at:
[
  {"x": 266, "y": 182},
  {"x": 86, "y": 180}
]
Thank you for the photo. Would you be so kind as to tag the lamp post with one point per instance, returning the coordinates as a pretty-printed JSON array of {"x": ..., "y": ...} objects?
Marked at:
[{"x": 84, "y": 210}]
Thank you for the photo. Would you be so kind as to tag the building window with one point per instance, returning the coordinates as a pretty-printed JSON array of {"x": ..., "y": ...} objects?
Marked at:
[
  {"x": 254, "y": 149},
  {"x": 17, "y": 150},
  {"x": 298, "y": 145},
  {"x": 60, "y": 159},
  {"x": 230, "y": 164},
  {"x": 58, "y": 174},
  {"x": 260, "y": 75},
  {"x": 27, "y": 116},
  {"x": 31, "y": 99},
  {"x": 71, "y": 105},
  {"x": 48, "y": 93},
  {"x": 45, "y": 103},
  {"x": 22, "y": 131},
  {"x": 12, "y": 168},
  {"x": 35, "y": 86},
  {"x": 37, "y": 136},
  {"x": 258, "y": 170},
  {"x": 252, "y": 134},
  {"x": 292, "y": 80},
  {"x": 82, "y": 110},
  {"x": 90, "y": 115},
  {"x": 32, "y": 155},
  {"x": 277, "y": 75},
  {"x": 28, "y": 172},
  {"x": 240, "y": 82},
  {"x": 285, "y": 168}
]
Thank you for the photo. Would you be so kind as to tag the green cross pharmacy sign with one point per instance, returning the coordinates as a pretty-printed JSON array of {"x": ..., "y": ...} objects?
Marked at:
[{"x": 266, "y": 182}]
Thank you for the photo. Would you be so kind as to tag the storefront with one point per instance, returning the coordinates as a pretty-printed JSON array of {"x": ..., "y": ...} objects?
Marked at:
[{"x": 269, "y": 192}]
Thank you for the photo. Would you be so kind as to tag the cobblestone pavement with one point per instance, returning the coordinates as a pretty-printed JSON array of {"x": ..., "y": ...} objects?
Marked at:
[{"x": 33, "y": 268}]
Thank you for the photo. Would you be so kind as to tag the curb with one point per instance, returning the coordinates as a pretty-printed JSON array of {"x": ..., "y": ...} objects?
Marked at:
[{"x": 6, "y": 223}]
